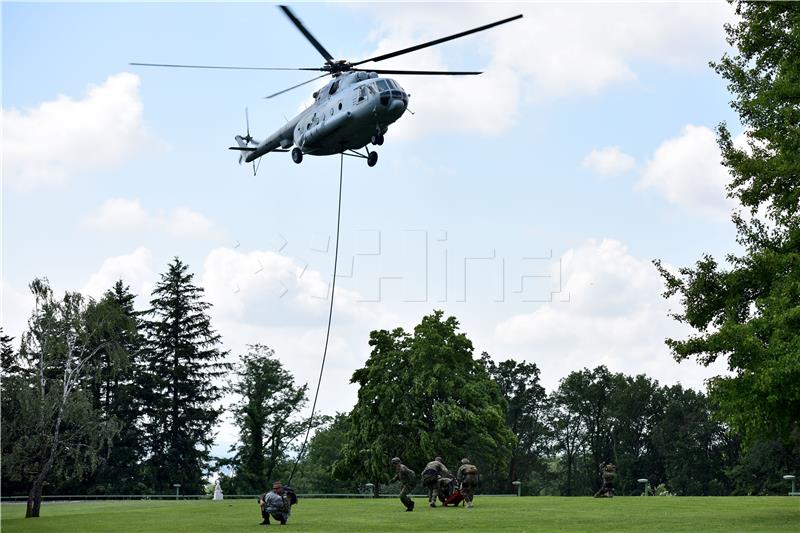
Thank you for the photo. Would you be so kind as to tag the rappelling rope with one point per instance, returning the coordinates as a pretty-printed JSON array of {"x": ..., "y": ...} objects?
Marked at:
[{"x": 330, "y": 317}]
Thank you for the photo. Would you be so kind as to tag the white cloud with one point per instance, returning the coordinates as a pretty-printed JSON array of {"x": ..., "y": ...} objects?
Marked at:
[
  {"x": 127, "y": 215},
  {"x": 687, "y": 171},
  {"x": 134, "y": 269},
  {"x": 44, "y": 145},
  {"x": 609, "y": 160},
  {"x": 16, "y": 307},
  {"x": 260, "y": 287},
  {"x": 615, "y": 316},
  {"x": 555, "y": 51}
]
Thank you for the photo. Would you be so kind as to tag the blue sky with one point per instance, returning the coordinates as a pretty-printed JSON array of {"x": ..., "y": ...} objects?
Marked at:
[{"x": 582, "y": 153}]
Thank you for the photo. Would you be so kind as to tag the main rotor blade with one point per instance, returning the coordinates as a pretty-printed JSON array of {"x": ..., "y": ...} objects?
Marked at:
[
  {"x": 219, "y": 67},
  {"x": 321, "y": 49},
  {"x": 295, "y": 86},
  {"x": 423, "y": 72},
  {"x": 437, "y": 41}
]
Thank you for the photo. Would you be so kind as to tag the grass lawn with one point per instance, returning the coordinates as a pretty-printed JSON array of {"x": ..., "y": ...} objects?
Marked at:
[{"x": 695, "y": 514}]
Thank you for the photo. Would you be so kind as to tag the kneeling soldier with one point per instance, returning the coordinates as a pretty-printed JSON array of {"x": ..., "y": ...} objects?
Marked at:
[{"x": 275, "y": 503}]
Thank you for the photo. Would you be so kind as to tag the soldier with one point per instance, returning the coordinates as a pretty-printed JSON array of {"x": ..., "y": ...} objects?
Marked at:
[
  {"x": 407, "y": 479},
  {"x": 446, "y": 488},
  {"x": 275, "y": 503},
  {"x": 607, "y": 490},
  {"x": 430, "y": 478},
  {"x": 467, "y": 476}
]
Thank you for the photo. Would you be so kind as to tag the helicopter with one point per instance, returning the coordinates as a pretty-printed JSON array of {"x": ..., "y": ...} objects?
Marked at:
[{"x": 353, "y": 110}]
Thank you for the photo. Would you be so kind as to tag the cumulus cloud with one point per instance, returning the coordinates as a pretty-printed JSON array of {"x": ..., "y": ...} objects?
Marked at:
[
  {"x": 264, "y": 286},
  {"x": 688, "y": 172},
  {"x": 615, "y": 315},
  {"x": 609, "y": 160},
  {"x": 44, "y": 145},
  {"x": 555, "y": 51},
  {"x": 124, "y": 214},
  {"x": 134, "y": 269}
]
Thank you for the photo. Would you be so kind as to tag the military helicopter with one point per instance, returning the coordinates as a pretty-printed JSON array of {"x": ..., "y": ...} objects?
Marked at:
[{"x": 350, "y": 112}]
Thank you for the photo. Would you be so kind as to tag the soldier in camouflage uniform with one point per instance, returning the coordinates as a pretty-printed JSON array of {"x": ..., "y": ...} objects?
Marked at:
[
  {"x": 407, "y": 479},
  {"x": 607, "y": 490},
  {"x": 467, "y": 476},
  {"x": 430, "y": 478}
]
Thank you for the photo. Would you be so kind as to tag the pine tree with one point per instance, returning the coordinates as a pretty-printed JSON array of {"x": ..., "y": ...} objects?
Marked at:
[
  {"x": 182, "y": 371},
  {"x": 115, "y": 387}
]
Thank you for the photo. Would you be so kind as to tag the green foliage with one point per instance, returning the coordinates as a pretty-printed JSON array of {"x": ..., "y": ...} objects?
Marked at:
[
  {"x": 421, "y": 396},
  {"x": 750, "y": 311},
  {"x": 266, "y": 418},
  {"x": 181, "y": 372},
  {"x": 315, "y": 474},
  {"x": 526, "y": 412},
  {"x": 50, "y": 427}
]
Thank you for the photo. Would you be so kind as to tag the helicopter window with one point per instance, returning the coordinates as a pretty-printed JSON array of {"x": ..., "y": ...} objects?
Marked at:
[
  {"x": 361, "y": 93},
  {"x": 382, "y": 85},
  {"x": 372, "y": 89},
  {"x": 340, "y": 106}
]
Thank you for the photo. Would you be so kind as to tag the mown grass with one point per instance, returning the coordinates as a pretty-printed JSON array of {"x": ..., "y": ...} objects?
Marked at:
[{"x": 731, "y": 514}]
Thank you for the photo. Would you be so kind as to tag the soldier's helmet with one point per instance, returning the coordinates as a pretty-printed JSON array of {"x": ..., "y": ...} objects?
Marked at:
[
  {"x": 464, "y": 461},
  {"x": 437, "y": 458},
  {"x": 395, "y": 460}
]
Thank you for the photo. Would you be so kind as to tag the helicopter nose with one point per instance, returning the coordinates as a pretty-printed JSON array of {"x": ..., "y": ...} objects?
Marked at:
[{"x": 397, "y": 107}]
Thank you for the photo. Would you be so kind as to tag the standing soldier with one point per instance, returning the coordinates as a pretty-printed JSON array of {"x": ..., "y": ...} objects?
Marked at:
[
  {"x": 467, "y": 476},
  {"x": 430, "y": 478},
  {"x": 407, "y": 479}
]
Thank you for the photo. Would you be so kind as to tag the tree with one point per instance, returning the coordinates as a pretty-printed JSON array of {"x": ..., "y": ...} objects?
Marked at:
[
  {"x": 182, "y": 368},
  {"x": 315, "y": 474},
  {"x": 114, "y": 385},
  {"x": 421, "y": 396},
  {"x": 526, "y": 411},
  {"x": 694, "y": 448},
  {"x": 636, "y": 406},
  {"x": 749, "y": 312},
  {"x": 47, "y": 416},
  {"x": 588, "y": 394},
  {"x": 266, "y": 417}
]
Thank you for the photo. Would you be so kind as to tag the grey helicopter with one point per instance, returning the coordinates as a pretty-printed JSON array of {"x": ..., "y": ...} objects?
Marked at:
[{"x": 353, "y": 110}]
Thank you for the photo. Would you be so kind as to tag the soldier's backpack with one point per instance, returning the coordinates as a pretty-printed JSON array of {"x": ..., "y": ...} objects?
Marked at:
[
  {"x": 291, "y": 495},
  {"x": 470, "y": 470},
  {"x": 429, "y": 475}
]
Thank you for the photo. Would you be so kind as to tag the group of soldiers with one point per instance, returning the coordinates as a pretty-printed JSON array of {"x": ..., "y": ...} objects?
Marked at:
[{"x": 439, "y": 482}]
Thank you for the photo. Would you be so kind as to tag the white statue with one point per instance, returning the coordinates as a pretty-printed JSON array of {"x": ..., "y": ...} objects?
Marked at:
[{"x": 217, "y": 491}]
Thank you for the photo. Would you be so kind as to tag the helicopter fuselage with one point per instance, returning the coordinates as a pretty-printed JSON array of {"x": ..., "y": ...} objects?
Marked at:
[{"x": 347, "y": 113}]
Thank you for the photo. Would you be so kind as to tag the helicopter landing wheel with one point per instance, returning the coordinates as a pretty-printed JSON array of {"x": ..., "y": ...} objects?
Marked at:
[
  {"x": 297, "y": 155},
  {"x": 372, "y": 159},
  {"x": 377, "y": 139}
]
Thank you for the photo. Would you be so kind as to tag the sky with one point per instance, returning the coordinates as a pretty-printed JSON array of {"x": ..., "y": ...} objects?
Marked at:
[{"x": 529, "y": 202}]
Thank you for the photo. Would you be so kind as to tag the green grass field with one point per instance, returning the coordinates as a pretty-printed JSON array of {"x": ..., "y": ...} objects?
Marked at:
[{"x": 489, "y": 514}]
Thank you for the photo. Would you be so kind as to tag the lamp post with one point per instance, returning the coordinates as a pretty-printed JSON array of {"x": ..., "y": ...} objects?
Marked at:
[
  {"x": 518, "y": 484},
  {"x": 791, "y": 478},
  {"x": 646, "y": 485},
  {"x": 177, "y": 489}
]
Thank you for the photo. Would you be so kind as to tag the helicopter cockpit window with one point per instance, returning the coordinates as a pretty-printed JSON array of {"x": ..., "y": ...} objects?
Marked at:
[
  {"x": 361, "y": 94},
  {"x": 371, "y": 88},
  {"x": 382, "y": 85}
]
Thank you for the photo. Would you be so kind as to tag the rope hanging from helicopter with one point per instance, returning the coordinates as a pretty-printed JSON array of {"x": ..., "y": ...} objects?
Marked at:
[{"x": 328, "y": 331}]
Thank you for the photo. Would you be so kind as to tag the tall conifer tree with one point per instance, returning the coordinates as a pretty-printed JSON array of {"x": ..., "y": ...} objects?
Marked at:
[{"x": 183, "y": 367}]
